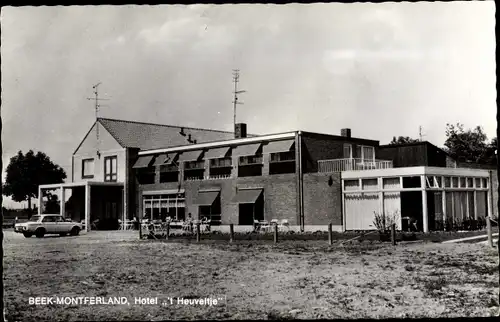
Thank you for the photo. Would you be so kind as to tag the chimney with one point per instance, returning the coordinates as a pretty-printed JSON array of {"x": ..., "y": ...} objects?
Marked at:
[
  {"x": 345, "y": 132},
  {"x": 240, "y": 130}
]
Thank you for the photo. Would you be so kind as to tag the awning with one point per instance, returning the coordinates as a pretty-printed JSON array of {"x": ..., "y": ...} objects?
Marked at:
[
  {"x": 247, "y": 195},
  {"x": 171, "y": 158},
  {"x": 278, "y": 146},
  {"x": 190, "y": 155},
  {"x": 206, "y": 198},
  {"x": 160, "y": 160},
  {"x": 217, "y": 153},
  {"x": 143, "y": 161},
  {"x": 246, "y": 150}
]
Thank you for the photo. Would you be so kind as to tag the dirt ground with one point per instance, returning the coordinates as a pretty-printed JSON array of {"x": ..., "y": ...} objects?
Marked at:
[{"x": 251, "y": 279}]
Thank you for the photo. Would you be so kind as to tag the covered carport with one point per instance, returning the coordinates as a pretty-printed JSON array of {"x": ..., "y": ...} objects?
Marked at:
[
  {"x": 90, "y": 199},
  {"x": 430, "y": 195}
]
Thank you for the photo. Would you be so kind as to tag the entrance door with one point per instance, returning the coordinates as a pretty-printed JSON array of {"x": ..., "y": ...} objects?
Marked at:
[{"x": 246, "y": 214}]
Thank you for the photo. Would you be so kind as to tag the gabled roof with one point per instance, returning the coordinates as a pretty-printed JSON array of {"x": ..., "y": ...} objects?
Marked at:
[{"x": 146, "y": 136}]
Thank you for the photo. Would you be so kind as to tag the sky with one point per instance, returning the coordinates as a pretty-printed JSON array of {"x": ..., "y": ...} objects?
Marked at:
[{"x": 382, "y": 70}]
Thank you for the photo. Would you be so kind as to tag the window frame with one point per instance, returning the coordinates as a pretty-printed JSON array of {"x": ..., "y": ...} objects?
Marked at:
[
  {"x": 90, "y": 176},
  {"x": 347, "y": 145},
  {"x": 109, "y": 176}
]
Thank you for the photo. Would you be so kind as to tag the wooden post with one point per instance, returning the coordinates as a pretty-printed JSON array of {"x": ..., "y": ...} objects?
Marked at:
[
  {"x": 198, "y": 232},
  {"x": 330, "y": 237},
  {"x": 231, "y": 233},
  {"x": 393, "y": 234},
  {"x": 168, "y": 230},
  {"x": 275, "y": 233},
  {"x": 488, "y": 230}
]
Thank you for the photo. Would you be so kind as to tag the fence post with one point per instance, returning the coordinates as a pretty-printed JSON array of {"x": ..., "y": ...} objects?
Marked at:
[
  {"x": 393, "y": 234},
  {"x": 330, "y": 237},
  {"x": 168, "y": 230},
  {"x": 488, "y": 230},
  {"x": 275, "y": 234},
  {"x": 198, "y": 232},
  {"x": 231, "y": 233}
]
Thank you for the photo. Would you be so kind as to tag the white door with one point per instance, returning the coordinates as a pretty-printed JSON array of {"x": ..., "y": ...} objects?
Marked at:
[
  {"x": 360, "y": 210},
  {"x": 392, "y": 207}
]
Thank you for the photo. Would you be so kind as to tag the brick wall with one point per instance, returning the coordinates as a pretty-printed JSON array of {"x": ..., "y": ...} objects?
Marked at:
[
  {"x": 322, "y": 202},
  {"x": 280, "y": 195}
]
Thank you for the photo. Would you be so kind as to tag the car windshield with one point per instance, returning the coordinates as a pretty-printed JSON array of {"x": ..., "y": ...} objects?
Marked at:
[{"x": 35, "y": 218}]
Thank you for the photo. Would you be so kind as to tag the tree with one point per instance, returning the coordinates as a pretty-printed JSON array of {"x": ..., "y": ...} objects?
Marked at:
[
  {"x": 402, "y": 140},
  {"x": 26, "y": 172},
  {"x": 469, "y": 145}
]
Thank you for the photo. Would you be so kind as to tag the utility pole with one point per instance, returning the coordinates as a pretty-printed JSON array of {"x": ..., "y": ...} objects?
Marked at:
[
  {"x": 97, "y": 105},
  {"x": 236, "y": 79}
]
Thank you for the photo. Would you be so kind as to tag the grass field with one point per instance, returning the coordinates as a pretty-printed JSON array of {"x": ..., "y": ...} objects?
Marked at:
[{"x": 255, "y": 279}]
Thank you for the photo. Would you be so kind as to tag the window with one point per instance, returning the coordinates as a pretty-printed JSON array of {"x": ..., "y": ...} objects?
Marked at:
[
  {"x": 250, "y": 166},
  {"x": 110, "y": 172},
  {"x": 350, "y": 185},
  {"x": 220, "y": 168},
  {"x": 146, "y": 175},
  {"x": 159, "y": 207},
  {"x": 368, "y": 153},
  {"x": 347, "y": 151},
  {"x": 365, "y": 152},
  {"x": 87, "y": 168},
  {"x": 194, "y": 170},
  {"x": 49, "y": 219},
  {"x": 411, "y": 182},
  {"x": 169, "y": 173},
  {"x": 369, "y": 184}
]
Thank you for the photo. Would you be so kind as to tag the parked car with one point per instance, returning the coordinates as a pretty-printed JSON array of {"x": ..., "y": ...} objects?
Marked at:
[{"x": 48, "y": 224}]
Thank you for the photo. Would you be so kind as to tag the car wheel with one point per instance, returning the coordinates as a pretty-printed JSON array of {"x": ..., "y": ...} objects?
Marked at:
[
  {"x": 75, "y": 231},
  {"x": 40, "y": 232},
  {"x": 28, "y": 235}
]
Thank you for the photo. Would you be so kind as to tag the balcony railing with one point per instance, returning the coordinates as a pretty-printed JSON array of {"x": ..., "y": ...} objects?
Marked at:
[{"x": 339, "y": 165}]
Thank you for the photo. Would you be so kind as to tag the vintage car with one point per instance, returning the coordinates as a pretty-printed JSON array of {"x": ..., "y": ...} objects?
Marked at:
[{"x": 40, "y": 225}]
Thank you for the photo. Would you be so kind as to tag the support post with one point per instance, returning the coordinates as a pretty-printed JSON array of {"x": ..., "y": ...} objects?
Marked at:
[
  {"x": 62, "y": 197},
  {"x": 40, "y": 197},
  {"x": 475, "y": 203},
  {"x": 488, "y": 230},
  {"x": 330, "y": 237},
  {"x": 443, "y": 201},
  {"x": 425, "y": 217},
  {"x": 87, "y": 206},
  {"x": 393, "y": 234},
  {"x": 231, "y": 233},
  {"x": 197, "y": 232},
  {"x": 275, "y": 233}
]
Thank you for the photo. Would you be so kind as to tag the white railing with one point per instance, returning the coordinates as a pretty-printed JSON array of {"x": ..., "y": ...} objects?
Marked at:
[{"x": 339, "y": 165}]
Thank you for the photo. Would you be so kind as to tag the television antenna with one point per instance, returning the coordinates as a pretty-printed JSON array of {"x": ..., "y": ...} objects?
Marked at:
[
  {"x": 236, "y": 79},
  {"x": 420, "y": 135},
  {"x": 97, "y": 105}
]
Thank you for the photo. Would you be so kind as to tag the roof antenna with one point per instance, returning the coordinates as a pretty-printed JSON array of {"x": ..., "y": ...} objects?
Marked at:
[
  {"x": 236, "y": 79},
  {"x": 420, "y": 135},
  {"x": 97, "y": 105}
]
